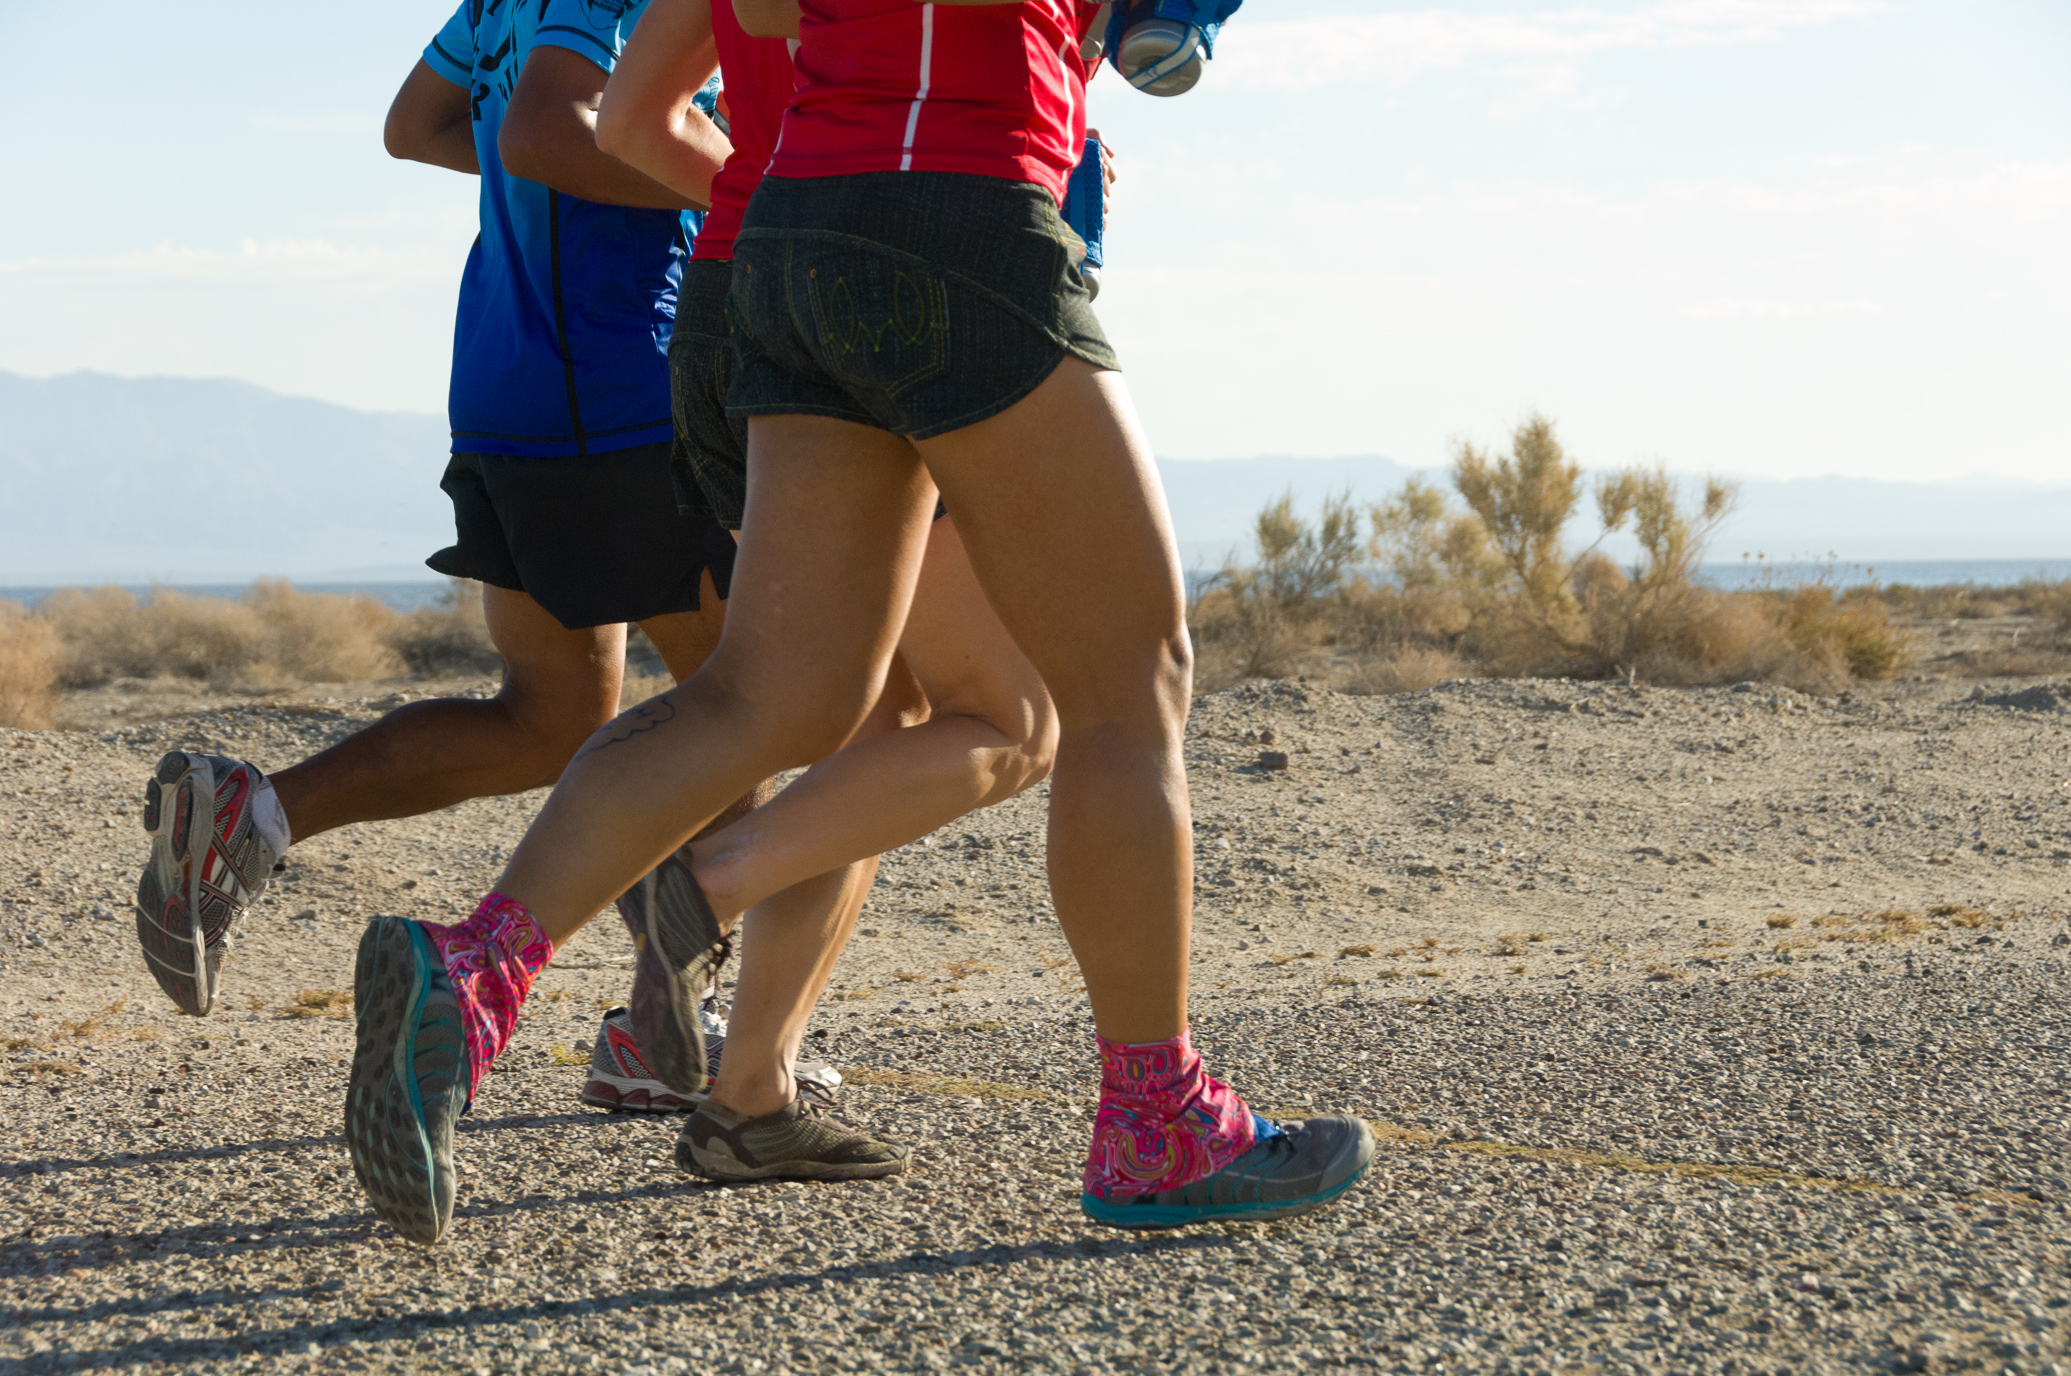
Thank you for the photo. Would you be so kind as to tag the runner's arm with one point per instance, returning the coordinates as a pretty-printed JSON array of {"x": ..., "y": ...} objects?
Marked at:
[
  {"x": 431, "y": 121},
  {"x": 646, "y": 119},
  {"x": 550, "y": 135}
]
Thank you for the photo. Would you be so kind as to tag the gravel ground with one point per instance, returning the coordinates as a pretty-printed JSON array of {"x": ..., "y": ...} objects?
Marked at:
[{"x": 1704, "y": 1030}]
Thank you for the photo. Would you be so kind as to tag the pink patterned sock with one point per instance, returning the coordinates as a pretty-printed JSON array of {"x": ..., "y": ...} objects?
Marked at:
[
  {"x": 1164, "y": 1121},
  {"x": 491, "y": 958}
]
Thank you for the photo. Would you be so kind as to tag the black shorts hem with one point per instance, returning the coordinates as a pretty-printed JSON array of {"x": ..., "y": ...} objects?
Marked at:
[{"x": 596, "y": 541}]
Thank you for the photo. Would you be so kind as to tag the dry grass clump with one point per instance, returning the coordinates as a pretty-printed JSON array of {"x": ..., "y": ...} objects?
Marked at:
[
  {"x": 92, "y": 1023},
  {"x": 317, "y": 1003},
  {"x": 1498, "y": 588},
  {"x": 29, "y": 661},
  {"x": 448, "y": 637},
  {"x": 269, "y": 637},
  {"x": 2046, "y": 600},
  {"x": 274, "y": 634},
  {"x": 1406, "y": 669}
]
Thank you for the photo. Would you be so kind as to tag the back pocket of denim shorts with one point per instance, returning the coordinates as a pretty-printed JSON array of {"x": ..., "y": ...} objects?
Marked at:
[{"x": 880, "y": 322}]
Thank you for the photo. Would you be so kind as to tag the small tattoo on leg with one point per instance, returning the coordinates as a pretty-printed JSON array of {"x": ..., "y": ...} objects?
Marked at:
[{"x": 646, "y": 717}]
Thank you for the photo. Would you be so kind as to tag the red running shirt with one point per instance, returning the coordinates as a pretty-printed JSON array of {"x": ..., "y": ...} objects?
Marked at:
[
  {"x": 757, "y": 79},
  {"x": 894, "y": 86}
]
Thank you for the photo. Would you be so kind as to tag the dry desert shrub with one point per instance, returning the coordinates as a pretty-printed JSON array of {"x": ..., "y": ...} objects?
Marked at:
[
  {"x": 450, "y": 636},
  {"x": 322, "y": 637},
  {"x": 272, "y": 635},
  {"x": 108, "y": 633},
  {"x": 1498, "y": 588},
  {"x": 2046, "y": 599},
  {"x": 1406, "y": 669},
  {"x": 1841, "y": 635},
  {"x": 29, "y": 658}
]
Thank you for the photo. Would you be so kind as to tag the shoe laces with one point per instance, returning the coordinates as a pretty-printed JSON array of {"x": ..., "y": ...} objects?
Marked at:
[{"x": 1284, "y": 1143}]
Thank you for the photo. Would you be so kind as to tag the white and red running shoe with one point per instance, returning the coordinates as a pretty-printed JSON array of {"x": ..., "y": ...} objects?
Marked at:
[
  {"x": 621, "y": 1081},
  {"x": 619, "y": 1078},
  {"x": 209, "y": 862}
]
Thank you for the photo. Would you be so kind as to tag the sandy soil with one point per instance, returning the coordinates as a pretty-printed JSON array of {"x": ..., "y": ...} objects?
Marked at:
[{"x": 1716, "y": 1029}]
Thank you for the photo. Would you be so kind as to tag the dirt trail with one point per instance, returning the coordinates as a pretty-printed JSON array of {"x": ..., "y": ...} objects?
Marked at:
[{"x": 1709, "y": 1029}]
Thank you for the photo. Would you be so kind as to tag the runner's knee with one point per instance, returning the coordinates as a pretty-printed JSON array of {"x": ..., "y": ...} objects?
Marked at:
[
  {"x": 1145, "y": 692},
  {"x": 803, "y": 717}
]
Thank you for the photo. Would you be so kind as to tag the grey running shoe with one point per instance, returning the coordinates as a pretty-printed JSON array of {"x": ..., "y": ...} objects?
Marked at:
[
  {"x": 1303, "y": 1167},
  {"x": 620, "y": 1080},
  {"x": 800, "y": 1141},
  {"x": 410, "y": 1080},
  {"x": 208, "y": 864},
  {"x": 680, "y": 951}
]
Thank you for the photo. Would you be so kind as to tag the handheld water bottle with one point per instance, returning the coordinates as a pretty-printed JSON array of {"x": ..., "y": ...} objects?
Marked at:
[
  {"x": 1163, "y": 46},
  {"x": 1085, "y": 210}
]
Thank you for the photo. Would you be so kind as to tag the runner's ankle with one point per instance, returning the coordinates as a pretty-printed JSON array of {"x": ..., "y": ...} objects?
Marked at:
[
  {"x": 491, "y": 957},
  {"x": 1164, "y": 1121}
]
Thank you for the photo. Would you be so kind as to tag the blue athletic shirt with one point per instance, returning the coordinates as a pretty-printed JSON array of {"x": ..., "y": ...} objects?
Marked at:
[{"x": 561, "y": 345}]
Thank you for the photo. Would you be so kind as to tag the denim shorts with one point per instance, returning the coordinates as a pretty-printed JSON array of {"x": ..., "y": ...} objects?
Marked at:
[
  {"x": 915, "y": 302},
  {"x": 713, "y": 445}
]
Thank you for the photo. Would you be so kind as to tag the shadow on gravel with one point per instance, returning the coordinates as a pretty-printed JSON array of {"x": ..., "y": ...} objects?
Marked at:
[
  {"x": 243, "y": 1237},
  {"x": 121, "y": 1160},
  {"x": 406, "y": 1328}
]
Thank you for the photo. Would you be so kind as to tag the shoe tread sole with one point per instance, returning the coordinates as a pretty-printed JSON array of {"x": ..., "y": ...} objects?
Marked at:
[
  {"x": 680, "y": 951},
  {"x": 408, "y": 1072},
  {"x": 168, "y": 930}
]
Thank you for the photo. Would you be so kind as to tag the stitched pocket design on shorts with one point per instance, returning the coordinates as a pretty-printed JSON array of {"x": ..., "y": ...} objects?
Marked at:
[{"x": 885, "y": 326}]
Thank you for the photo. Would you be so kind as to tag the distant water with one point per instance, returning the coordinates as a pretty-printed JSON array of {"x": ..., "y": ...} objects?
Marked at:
[
  {"x": 1919, "y": 573},
  {"x": 407, "y": 596},
  {"x": 403, "y": 596}
]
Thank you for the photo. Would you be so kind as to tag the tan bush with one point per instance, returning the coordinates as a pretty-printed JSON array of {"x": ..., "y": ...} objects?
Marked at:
[
  {"x": 107, "y": 633},
  {"x": 320, "y": 637},
  {"x": 448, "y": 637},
  {"x": 29, "y": 656},
  {"x": 2050, "y": 601},
  {"x": 1410, "y": 669},
  {"x": 1370, "y": 614},
  {"x": 1852, "y": 631},
  {"x": 1495, "y": 590},
  {"x": 271, "y": 636}
]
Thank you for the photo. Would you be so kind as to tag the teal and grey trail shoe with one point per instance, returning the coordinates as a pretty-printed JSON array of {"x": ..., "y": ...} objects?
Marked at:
[
  {"x": 410, "y": 1078},
  {"x": 1301, "y": 1167}
]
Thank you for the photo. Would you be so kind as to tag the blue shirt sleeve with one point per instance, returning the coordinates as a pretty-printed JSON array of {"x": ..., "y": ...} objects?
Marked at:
[
  {"x": 596, "y": 29},
  {"x": 452, "y": 53}
]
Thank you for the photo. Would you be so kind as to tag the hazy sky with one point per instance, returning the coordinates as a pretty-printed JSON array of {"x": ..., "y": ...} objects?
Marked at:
[{"x": 1771, "y": 237}]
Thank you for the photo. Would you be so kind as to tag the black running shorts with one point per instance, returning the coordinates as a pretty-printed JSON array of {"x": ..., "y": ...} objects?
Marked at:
[{"x": 594, "y": 540}]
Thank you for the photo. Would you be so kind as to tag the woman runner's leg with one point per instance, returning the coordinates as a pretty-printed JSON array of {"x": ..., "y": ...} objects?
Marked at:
[
  {"x": 820, "y": 591},
  {"x": 991, "y": 733},
  {"x": 1061, "y": 510}
]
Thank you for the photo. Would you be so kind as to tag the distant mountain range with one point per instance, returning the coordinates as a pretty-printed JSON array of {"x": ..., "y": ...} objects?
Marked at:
[{"x": 197, "y": 481}]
